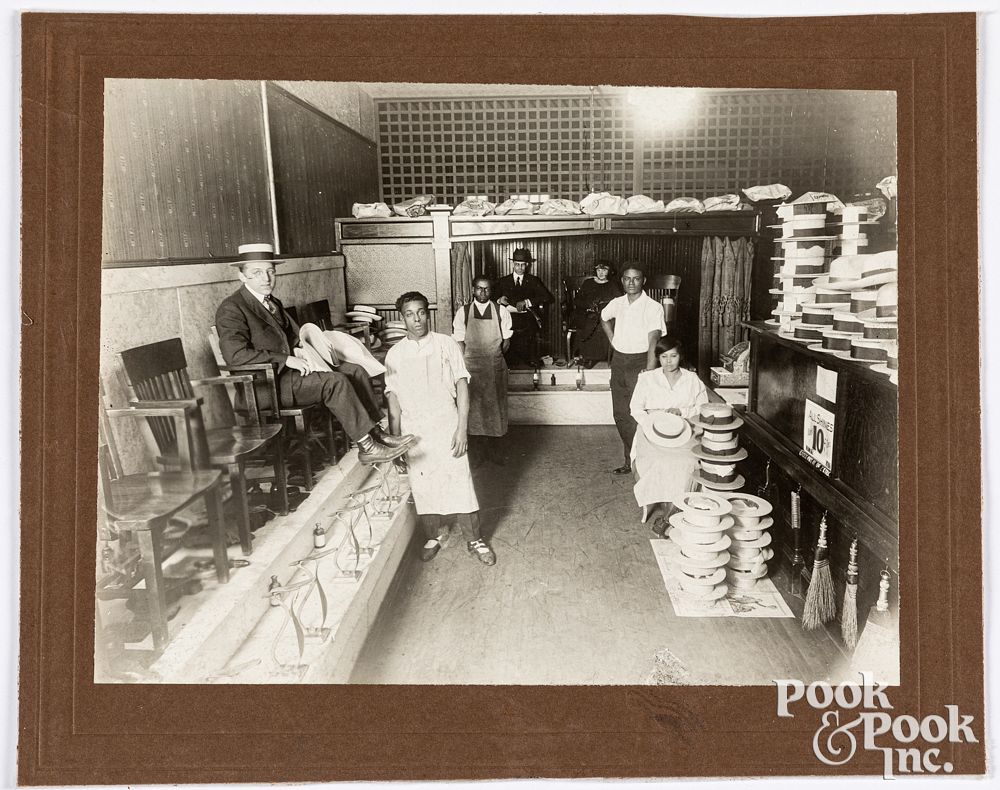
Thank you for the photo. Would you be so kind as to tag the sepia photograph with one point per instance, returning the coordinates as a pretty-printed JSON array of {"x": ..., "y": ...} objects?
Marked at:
[{"x": 497, "y": 384}]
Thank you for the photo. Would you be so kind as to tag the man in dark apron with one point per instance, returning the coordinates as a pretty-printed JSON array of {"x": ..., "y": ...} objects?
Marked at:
[{"x": 483, "y": 331}]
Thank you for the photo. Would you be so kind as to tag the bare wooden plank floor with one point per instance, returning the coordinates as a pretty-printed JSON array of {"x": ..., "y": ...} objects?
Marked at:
[{"x": 575, "y": 597}]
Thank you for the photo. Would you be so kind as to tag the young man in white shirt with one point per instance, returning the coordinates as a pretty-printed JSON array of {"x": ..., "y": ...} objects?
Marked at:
[{"x": 638, "y": 324}]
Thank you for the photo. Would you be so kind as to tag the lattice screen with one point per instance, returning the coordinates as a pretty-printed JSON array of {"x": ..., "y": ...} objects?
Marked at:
[{"x": 841, "y": 141}]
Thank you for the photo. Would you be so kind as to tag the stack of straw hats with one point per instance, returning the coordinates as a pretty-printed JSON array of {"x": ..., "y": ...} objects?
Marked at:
[
  {"x": 698, "y": 532},
  {"x": 365, "y": 315},
  {"x": 719, "y": 449},
  {"x": 393, "y": 332},
  {"x": 750, "y": 540}
]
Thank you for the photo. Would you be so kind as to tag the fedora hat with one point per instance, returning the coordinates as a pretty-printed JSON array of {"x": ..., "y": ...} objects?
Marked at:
[
  {"x": 522, "y": 255},
  {"x": 248, "y": 253},
  {"x": 877, "y": 268},
  {"x": 863, "y": 300},
  {"x": 717, "y": 418},
  {"x": 667, "y": 430},
  {"x": 703, "y": 509},
  {"x": 844, "y": 270}
]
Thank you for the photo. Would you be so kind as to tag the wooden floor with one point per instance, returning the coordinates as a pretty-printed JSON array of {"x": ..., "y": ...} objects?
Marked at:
[{"x": 575, "y": 597}]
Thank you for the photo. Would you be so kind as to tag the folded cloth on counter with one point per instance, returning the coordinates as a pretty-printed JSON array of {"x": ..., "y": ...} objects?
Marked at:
[
  {"x": 514, "y": 206},
  {"x": 768, "y": 192},
  {"x": 327, "y": 349},
  {"x": 686, "y": 204},
  {"x": 722, "y": 203},
  {"x": 474, "y": 207},
  {"x": 603, "y": 203},
  {"x": 414, "y": 207},
  {"x": 833, "y": 203},
  {"x": 641, "y": 204},
  {"x": 560, "y": 206},
  {"x": 362, "y": 210}
]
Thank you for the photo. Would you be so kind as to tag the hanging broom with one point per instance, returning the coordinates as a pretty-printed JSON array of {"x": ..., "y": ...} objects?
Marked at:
[
  {"x": 798, "y": 561},
  {"x": 821, "y": 605},
  {"x": 849, "y": 612}
]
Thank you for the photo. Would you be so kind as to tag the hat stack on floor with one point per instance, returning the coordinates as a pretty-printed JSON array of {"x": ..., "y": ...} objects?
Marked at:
[
  {"x": 364, "y": 315},
  {"x": 719, "y": 449},
  {"x": 808, "y": 234},
  {"x": 854, "y": 314},
  {"x": 394, "y": 332},
  {"x": 698, "y": 531},
  {"x": 749, "y": 549}
]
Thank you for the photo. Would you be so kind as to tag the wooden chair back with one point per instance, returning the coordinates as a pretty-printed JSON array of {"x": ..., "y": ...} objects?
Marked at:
[
  {"x": 658, "y": 286},
  {"x": 318, "y": 313},
  {"x": 156, "y": 374},
  {"x": 571, "y": 285},
  {"x": 265, "y": 384}
]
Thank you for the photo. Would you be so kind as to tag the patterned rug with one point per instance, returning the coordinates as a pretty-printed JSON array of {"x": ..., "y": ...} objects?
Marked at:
[{"x": 763, "y": 600}]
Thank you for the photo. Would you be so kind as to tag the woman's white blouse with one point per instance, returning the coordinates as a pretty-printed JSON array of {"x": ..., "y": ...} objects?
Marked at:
[{"x": 653, "y": 392}]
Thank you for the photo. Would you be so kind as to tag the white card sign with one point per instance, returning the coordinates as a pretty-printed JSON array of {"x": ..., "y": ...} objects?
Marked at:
[
  {"x": 817, "y": 438},
  {"x": 826, "y": 383}
]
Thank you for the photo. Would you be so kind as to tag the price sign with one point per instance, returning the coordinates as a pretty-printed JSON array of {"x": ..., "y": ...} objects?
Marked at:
[{"x": 817, "y": 438}]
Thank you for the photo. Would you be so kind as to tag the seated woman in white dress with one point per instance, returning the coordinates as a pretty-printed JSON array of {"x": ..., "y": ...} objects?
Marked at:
[{"x": 663, "y": 466}]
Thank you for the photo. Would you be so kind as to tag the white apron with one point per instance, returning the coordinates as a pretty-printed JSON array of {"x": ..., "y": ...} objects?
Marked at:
[
  {"x": 440, "y": 483},
  {"x": 488, "y": 388}
]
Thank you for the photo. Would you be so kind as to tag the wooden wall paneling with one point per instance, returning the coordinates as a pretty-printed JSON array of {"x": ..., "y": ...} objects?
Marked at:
[
  {"x": 186, "y": 174},
  {"x": 321, "y": 168}
]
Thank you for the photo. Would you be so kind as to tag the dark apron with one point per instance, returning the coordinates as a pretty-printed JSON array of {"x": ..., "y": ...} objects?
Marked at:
[{"x": 488, "y": 387}]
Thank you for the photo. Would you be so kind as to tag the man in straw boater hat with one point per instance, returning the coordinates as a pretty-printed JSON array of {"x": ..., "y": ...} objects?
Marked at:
[
  {"x": 527, "y": 299},
  {"x": 638, "y": 324},
  {"x": 427, "y": 385},
  {"x": 254, "y": 327}
]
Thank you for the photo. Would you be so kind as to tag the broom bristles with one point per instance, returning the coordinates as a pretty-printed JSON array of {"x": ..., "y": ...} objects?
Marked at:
[
  {"x": 849, "y": 616},
  {"x": 821, "y": 604}
]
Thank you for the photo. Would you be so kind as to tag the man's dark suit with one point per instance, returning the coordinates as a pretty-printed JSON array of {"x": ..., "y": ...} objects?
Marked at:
[
  {"x": 249, "y": 334},
  {"x": 527, "y": 326}
]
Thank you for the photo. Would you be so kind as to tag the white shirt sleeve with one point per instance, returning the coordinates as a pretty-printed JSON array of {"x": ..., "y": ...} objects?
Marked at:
[
  {"x": 458, "y": 325},
  {"x": 610, "y": 310},
  {"x": 455, "y": 359},
  {"x": 655, "y": 319}
]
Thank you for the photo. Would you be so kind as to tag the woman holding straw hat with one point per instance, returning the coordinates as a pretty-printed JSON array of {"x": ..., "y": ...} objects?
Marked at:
[{"x": 663, "y": 402}]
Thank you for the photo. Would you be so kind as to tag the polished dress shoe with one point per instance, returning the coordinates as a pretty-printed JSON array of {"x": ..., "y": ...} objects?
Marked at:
[
  {"x": 622, "y": 470},
  {"x": 380, "y": 454},
  {"x": 404, "y": 440}
]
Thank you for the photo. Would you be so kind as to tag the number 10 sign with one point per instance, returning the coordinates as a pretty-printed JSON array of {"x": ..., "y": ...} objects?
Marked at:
[{"x": 817, "y": 439}]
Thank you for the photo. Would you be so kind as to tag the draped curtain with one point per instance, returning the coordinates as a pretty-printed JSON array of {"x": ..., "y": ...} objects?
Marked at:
[
  {"x": 726, "y": 266},
  {"x": 461, "y": 275}
]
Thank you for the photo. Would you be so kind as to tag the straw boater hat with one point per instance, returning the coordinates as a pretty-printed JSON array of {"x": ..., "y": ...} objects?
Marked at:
[
  {"x": 739, "y": 534},
  {"x": 363, "y": 316},
  {"x": 863, "y": 300},
  {"x": 703, "y": 509},
  {"x": 805, "y": 333},
  {"x": 871, "y": 351},
  {"x": 835, "y": 343},
  {"x": 701, "y": 533},
  {"x": 890, "y": 367},
  {"x": 717, "y": 418},
  {"x": 254, "y": 252},
  {"x": 703, "y": 577},
  {"x": 719, "y": 452},
  {"x": 667, "y": 430},
  {"x": 843, "y": 270},
  {"x": 877, "y": 268},
  {"x": 718, "y": 478},
  {"x": 749, "y": 510}
]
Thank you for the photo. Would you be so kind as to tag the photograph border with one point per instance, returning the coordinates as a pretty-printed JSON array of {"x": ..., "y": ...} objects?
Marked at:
[{"x": 69, "y": 726}]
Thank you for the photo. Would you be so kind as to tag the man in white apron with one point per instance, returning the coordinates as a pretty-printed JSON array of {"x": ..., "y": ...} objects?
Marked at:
[
  {"x": 427, "y": 385},
  {"x": 483, "y": 331}
]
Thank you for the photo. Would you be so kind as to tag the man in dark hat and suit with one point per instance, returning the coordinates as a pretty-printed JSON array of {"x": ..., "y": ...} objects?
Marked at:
[
  {"x": 527, "y": 299},
  {"x": 254, "y": 327}
]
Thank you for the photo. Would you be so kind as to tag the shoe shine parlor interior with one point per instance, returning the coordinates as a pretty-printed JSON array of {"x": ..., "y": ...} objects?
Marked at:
[{"x": 720, "y": 509}]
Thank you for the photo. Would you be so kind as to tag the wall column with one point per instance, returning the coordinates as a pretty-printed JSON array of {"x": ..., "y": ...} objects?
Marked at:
[{"x": 442, "y": 266}]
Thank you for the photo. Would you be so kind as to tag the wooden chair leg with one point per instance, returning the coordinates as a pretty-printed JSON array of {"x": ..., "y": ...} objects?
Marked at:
[
  {"x": 151, "y": 546},
  {"x": 331, "y": 435},
  {"x": 281, "y": 474},
  {"x": 238, "y": 483},
  {"x": 217, "y": 528}
]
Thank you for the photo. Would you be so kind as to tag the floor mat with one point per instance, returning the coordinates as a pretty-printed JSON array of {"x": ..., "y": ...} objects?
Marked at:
[{"x": 763, "y": 600}]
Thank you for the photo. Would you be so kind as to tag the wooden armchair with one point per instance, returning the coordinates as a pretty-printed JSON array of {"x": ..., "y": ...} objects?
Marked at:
[
  {"x": 299, "y": 437},
  {"x": 138, "y": 507},
  {"x": 665, "y": 286},
  {"x": 156, "y": 375}
]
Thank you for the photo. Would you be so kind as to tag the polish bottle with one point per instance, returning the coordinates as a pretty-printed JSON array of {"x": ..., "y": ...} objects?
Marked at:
[
  {"x": 319, "y": 536},
  {"x": 553, "y": 380},
  {"x": 535, "y": 379},
  {"x": 579, "y": 377},
  {"x": 275, "y": 596}
]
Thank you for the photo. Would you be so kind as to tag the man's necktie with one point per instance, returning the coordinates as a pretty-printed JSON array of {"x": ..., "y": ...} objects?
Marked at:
[
  {"x": 517, "y": 281},
  {"x": 272, "y": 308}
]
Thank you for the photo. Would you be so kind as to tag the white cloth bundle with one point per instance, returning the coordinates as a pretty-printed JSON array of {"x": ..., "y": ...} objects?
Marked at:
[
  {"x": 641, "y": 204},
  {"x": 559, "y": 206},
  {"x": 603, "y": 203},
  {"x": 722, "y": 203},
  {"x": 514, "y": 206},
  {"x": 768, "y": 192},
  {"x": 362, "y": 210},
  {"x": 474, "y": 207},
  {"x": 414, "y": 207},
  {"x": 692, "y": 205}
]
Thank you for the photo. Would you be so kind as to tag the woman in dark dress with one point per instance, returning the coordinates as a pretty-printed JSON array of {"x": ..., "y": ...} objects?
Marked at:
[{"x": 594, "y": 294}]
